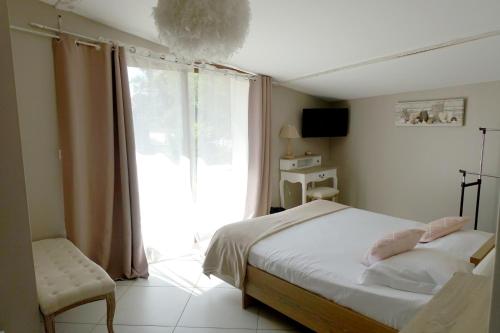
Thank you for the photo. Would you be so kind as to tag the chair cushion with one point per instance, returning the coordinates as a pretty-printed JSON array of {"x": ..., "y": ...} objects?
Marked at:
[
  {"x": 322, "y": 192},
  {"x": 65, "y": 276}
]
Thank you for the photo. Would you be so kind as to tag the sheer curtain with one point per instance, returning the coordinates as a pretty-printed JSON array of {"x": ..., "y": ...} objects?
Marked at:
[{"x": 191, "y": 132}]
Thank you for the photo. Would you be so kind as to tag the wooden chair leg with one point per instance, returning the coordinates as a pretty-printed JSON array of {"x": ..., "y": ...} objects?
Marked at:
[
  {"x": 110, "y": 305},
  {"x": 49, "y": 324}
]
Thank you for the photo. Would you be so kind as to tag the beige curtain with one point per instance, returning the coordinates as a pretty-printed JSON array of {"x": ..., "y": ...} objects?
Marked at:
[
  {"x": 98, "y": 156},
  {"x": 259, "y": 127}
]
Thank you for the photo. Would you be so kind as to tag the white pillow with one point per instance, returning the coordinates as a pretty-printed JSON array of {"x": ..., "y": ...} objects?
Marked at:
[
  {"x": 420, "y": 270},
  {"x": 486, "y": 266}
]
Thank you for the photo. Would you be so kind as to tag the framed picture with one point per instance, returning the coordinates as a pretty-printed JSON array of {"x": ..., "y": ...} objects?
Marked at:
[{"x": 439, "y": 112}]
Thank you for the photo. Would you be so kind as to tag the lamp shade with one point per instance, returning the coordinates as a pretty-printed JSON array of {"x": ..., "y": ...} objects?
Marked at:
[
  {"x": 289, "y": 132},
  {"x": 202, "y": 30}
]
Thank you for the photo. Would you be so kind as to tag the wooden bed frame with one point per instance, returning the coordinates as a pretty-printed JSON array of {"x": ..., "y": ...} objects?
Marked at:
[
  {"x": 305, "y": 307},
  {"x": 315, "y": 311},
  {"x": 483, "y": 251}
]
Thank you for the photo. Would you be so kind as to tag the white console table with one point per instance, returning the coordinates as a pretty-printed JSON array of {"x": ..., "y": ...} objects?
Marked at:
[{"x": 306, "y": 176}]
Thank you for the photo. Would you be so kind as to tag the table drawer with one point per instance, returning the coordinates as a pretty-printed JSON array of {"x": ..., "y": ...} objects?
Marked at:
[{"x": 320, "y": 176}]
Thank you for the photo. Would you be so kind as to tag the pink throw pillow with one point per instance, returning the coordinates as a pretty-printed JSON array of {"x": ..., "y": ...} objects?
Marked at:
[
  {"x": 443, "y": 227},
  {"x": 392, "y": 244}
]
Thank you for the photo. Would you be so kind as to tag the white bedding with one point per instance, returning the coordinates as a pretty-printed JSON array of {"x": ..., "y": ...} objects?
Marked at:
[{"x": 324, "y": 256}]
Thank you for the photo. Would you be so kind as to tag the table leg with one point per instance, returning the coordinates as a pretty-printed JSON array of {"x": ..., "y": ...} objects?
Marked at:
[
  {"x": 304, "y": 190},
  {"x": 282, "y": 193}
]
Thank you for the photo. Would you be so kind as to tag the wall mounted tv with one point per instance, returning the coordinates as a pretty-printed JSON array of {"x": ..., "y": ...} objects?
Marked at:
[{"x": 330, "y": 122}]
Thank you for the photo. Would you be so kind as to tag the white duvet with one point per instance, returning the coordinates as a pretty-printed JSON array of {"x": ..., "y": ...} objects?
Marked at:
[{"x": 324, "y": 256}]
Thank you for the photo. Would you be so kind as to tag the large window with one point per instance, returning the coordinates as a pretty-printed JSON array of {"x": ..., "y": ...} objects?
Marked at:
[{"x": 191, "y": 133}]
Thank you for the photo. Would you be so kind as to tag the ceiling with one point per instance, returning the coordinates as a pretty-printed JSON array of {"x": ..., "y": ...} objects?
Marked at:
[{"x": 290, "y": 39}]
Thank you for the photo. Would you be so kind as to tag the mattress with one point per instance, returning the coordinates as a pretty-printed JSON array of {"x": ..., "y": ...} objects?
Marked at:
[{"x": 324, "y": 256}]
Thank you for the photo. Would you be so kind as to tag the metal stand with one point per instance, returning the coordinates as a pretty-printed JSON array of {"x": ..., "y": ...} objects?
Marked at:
[
  {"x": 464, "y": 185},
  {"x": 478, "y": 182}
]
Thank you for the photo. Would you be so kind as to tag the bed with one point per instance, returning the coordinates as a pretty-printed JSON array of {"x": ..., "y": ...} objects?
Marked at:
[{"x": 309, "y": 272}]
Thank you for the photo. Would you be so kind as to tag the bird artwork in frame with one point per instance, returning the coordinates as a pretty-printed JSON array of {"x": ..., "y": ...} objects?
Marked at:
[{"x": 432, "y": 113}]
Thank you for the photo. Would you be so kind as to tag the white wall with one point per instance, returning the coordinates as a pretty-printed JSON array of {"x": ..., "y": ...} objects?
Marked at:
[
  {"x": 287, "y": 108},
  {"x": 18, "y": 303},
  {"x": 413, "y": 172}
]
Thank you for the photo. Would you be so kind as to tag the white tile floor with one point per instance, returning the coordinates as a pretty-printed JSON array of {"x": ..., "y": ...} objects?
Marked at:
[{"x": 176, "y": 298}]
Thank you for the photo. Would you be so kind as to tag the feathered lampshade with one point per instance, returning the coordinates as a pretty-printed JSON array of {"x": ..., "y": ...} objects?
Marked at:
[{"x": 202, "y": 30}]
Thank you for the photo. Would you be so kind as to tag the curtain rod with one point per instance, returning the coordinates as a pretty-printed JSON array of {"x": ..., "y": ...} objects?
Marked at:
[
  {"x": 58, "y": 30},
  {"x": 465, "y": 172},
  {"x": 489, "y": 129},
  {"x": 194, "y": 66},
  {"x": 130, "y": 48},
  {"x": 44, "y": 34}
]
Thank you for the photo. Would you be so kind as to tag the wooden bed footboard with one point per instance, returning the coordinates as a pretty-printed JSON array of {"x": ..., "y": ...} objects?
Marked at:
[{"x": 307, "y": 308}]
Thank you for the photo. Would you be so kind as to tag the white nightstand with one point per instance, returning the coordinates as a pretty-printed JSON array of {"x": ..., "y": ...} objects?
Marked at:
[{"x": 300, "y": 170}]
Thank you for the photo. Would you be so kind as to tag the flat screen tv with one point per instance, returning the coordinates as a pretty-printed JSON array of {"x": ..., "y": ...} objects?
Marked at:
[{"x": 331, "y": 122}]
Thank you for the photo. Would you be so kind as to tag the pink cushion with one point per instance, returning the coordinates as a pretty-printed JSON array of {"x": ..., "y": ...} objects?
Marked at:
[
  {"x": 443, "y": 227},
  {"x": 392, "y": 244}
]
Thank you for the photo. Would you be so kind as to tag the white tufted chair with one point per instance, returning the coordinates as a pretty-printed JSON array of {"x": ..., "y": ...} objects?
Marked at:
[{"x": 66, "y": 278}]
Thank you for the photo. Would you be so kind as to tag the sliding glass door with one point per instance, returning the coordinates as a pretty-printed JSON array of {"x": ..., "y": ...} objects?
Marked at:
[{"x": 191, "y": 133}]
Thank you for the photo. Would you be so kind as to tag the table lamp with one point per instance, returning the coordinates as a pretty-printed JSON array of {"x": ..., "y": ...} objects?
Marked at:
[{"x": 289, "y": 132}]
